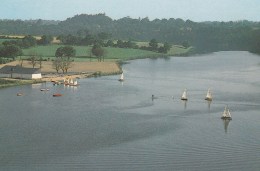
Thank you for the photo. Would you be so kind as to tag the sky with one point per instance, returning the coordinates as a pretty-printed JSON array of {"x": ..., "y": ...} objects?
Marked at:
[{"x": 195, "y": 10}]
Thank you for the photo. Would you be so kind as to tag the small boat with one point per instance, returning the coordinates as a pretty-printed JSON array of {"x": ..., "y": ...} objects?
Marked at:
[
  {"x": 208, "y": 96},
  {"x": 70, "y": 82},
  {"x": 57, "y": 95},
  {"x": 184, "y": 95},
  {"x": 154, "y": 97},
  {"x": 226, "y": 115},
  {"x": 121, "y": 77},
  {"x": 19, "y": 94},
  {"x": 45, "y": 89},
  {"x": 56, "y": 82},
  {"x": 74, "y": 83}
]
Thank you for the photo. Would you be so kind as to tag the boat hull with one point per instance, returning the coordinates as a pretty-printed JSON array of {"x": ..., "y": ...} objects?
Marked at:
[
  {"x": 226, "y": 118},
  {"x": 208, "y": 99},
  {"x": 57, "y": 95}
]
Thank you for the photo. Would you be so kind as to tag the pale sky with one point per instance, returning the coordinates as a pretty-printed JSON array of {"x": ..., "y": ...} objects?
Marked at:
[{"x": 195, "y": 10}]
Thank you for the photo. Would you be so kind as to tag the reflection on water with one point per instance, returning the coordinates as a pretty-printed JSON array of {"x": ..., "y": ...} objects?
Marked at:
[
  {"x": 184, "y": 103},
  {"x": 225, "y": 122},
  {"x": 102, "y": 125},
  {"x": 209, "y": 103}
]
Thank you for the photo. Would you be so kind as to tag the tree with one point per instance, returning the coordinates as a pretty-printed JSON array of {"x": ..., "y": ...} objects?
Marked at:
[
  {"x": 64, "y": 54},
  {"x": 28, "y": 41},
  {"x": 98, "y": 51},
  {"x": 40, "y": 61},
  {"x": 65, "y": 64},
  {"x": 56, "y": 64},
  {"x": 34, "y": 59},
  {"x": 153, "y": 44},
  {"x": 66, "y": 51},
  {"x": 110, "y": 43},
  {"x": 185, "y": 44},
  {"x": 11, "y": 51},
  {"x": 120, "y": 44},
  {"x": 165, "y": 48},
  {"x": 45, "y": 40}
]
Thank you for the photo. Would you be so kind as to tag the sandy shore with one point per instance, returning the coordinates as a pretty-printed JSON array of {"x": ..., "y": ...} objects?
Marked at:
[{"x": 78, "y": 69}]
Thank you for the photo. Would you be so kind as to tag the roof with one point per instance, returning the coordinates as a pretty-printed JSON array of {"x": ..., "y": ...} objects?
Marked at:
[{"x": 7, "y": 69}]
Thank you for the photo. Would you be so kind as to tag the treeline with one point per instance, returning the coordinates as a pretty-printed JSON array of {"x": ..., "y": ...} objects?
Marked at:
[
  {"x": 12, "y": 47},
  {"x": 204, "y": 36}
]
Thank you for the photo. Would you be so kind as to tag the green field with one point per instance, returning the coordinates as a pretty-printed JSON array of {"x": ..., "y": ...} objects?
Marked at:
[
  {"x": 83, "y": 52},
  {"x": 111, "y": 53}
]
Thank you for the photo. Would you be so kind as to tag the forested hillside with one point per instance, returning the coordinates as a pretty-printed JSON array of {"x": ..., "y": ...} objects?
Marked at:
[{"x": 204, "y": 36}]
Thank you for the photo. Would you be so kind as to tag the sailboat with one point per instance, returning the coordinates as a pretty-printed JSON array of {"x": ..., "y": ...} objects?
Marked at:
[
  {"x": 184, "y": 95},
  {"x": 121, "y": 77},
  {"x": 208, "y": 96},
  {"x": 45, "y": 89},
  {"x": 226, "y": 114}
]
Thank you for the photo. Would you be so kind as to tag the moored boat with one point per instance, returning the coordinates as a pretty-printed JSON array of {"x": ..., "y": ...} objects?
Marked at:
[
  {"x": 57, "y": 95},
  {"x": 19, "y": 94},
  {"x": 121, "y": 77},
  {"x": 226, "y": 115},
  {"x": 45, "y": 89},
  {"x": 184, "y": 95},
  {"x": 208, "y": 95}
]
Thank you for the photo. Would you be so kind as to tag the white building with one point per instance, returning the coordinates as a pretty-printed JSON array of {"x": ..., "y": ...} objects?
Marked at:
[{"x": 20, "y": 72}]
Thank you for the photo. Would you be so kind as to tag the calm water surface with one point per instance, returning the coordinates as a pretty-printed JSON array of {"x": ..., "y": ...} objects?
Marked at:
[{"x": 107, "y": 125}]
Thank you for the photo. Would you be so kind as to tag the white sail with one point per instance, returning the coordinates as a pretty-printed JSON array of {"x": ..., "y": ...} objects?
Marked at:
[
  {"x": 226, "y": 114},
  {"x": 121, "y": 77},
  {"x": 209, "y": 95},
  {"x": 75, "y": 82},
  {"x": 184, "y": 95}
]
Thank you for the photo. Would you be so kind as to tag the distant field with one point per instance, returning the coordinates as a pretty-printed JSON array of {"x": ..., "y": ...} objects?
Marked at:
[
  {"x": 83, "y": 52},
  {"x": 111, "y": 53}
]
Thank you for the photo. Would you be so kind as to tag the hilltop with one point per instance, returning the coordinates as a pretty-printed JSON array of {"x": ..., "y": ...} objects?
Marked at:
[{"x": 204, "y": 36}]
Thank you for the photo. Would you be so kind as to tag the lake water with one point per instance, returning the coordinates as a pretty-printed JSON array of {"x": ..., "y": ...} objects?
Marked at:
[{"x": 107, "y": 125}]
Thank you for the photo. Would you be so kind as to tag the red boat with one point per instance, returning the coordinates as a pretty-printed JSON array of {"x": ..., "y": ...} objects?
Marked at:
[{"x": 57, "y": 95}]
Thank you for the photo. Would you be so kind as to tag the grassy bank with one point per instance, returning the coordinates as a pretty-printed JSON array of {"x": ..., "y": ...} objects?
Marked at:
[{"x": 14, "y": 82}]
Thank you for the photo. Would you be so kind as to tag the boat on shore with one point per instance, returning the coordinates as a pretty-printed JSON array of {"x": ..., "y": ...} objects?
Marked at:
[
  {"x": 70, "y": 82},
  {"x": 56, "y": 82},
  {"x": 208, "y": 96},
  {"x": 226, "y": 115},
  {"x": 184, "y": 95}
]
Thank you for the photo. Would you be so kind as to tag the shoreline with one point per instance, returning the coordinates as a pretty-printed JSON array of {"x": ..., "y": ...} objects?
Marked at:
[{"x": 78, "y": 70}]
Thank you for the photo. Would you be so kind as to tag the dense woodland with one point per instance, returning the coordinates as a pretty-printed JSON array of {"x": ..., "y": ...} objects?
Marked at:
[{"x": 203, "y": 36}]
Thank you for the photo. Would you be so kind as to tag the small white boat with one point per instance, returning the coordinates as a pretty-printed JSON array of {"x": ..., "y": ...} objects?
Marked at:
[
  {"x": 74, "y": 83},
  {"x": 19, "y": 94},
  {"x": 184, "y": 95},
  {"x": 45, "y": 89},
  {"x": 226, "y": 115},
  {"x": 121, "y": 77},
  {"x": 209, "y": 95}
]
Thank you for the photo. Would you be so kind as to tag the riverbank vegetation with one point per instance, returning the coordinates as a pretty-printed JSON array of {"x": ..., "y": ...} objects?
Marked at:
[
  {"x": 98, "y": 38},
  {"x": 15, "y": 82},
  {"x": 203, "y": 36}
]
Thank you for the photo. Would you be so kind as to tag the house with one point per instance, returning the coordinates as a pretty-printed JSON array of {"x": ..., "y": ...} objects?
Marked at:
[{"x": 8, "y": 71}]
